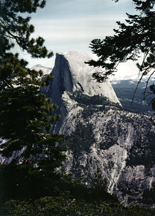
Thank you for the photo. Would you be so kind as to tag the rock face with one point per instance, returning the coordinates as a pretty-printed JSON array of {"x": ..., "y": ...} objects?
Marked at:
[
  {"x": 120, "y": 143},
  {"x": 99, "y": 133},
  {"x": 72, "y": 74}
]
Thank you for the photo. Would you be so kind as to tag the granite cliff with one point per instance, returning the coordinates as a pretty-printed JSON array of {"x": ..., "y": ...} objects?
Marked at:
[{"x": 100, "y": 133}]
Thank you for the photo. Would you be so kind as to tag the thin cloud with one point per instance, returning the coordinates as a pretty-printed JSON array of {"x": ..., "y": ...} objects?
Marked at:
[{"x": 82, "y": 28}]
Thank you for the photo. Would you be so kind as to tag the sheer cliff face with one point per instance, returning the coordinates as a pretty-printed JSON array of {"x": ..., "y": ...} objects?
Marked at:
[
  {"x": 99, "y": 133},
  {"x": 71, "y": 74}
]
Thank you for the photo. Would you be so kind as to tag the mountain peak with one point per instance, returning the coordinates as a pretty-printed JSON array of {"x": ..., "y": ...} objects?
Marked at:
[
  {"x": 46, "y": 70},
  {"x": 76, "y": 75}
]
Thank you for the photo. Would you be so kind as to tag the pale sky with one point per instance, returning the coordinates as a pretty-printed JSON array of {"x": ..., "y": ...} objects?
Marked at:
[{"x": 71, "y": 25}]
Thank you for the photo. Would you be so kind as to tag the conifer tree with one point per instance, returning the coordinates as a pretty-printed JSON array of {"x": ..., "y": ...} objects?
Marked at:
[
  {"x": 134, "y": 37},
  {"x": 25, "y": 113}
]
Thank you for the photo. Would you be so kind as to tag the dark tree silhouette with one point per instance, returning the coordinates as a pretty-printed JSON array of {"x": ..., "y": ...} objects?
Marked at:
[
  {"x": 25, "y": 113},
  {"x": 134, "y": 37}
]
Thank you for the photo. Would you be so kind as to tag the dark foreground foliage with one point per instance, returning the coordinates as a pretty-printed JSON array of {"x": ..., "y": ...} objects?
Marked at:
[
  {"x": 63, "y": 205},
  {"x": 68, "y": 197}
]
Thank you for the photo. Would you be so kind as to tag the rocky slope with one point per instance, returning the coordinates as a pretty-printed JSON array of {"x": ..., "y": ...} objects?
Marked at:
[
  {"x": 100, "y": 133},
  {"x": 120, "y": 143}
]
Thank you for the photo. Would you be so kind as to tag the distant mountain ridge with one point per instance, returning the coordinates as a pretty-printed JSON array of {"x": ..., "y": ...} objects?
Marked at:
[
  {"x": 46, "y": 70},
  {"x": 134, "y": 78},
  {"x": 131, "y": 100}
]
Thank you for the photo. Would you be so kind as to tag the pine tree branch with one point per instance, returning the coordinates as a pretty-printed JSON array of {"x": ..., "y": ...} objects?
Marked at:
[
  {"x": 145, "y": 55},
  {"x": 8, "y": 84}
]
